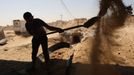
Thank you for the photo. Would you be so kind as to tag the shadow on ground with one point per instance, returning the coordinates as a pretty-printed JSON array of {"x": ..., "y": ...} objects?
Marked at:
[
  {"x": 58, "y": 46},
  {"x": 59, "y": 67},
  {"x": 102, "y": 69},
  {"x": 9, "y": 67}
]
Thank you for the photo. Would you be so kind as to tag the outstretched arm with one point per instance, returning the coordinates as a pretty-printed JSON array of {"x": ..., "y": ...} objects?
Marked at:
[{"x": 51, "y": 27}]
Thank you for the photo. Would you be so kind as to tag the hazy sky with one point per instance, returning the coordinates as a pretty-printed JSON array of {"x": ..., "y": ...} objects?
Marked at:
[{"x": 49, "y": 10}]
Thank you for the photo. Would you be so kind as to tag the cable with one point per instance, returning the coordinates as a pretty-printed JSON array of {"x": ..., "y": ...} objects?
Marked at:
[{"x": 66, "y": 8}]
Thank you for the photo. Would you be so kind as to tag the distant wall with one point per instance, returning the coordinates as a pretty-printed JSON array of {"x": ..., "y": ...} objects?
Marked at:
[
  {"x": 2, "y": 35},
  {"x": 19, "y": 27}
]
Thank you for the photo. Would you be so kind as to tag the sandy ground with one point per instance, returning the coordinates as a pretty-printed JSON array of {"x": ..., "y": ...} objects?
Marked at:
[{"x": 88, "y": 58}]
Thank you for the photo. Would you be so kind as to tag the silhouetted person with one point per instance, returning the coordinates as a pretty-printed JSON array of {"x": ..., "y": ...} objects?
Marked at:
[{"x": 35, "y": 27}]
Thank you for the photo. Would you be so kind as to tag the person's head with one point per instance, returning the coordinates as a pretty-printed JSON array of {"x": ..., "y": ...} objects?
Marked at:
[{"x": 28, "y": 16}]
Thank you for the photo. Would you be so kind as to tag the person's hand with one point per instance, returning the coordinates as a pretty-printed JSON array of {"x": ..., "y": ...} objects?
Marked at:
[{"x": 60, "y": 30}]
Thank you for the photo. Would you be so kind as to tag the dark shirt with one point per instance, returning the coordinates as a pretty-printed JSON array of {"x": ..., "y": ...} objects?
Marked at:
[{"x": 35, "y": 27}]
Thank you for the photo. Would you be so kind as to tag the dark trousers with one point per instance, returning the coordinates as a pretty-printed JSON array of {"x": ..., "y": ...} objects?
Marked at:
[{"x": 36, "y": 42}]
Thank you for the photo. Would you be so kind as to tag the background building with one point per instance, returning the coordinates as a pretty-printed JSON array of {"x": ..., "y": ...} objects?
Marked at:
[{"x": 19, "y": 27}]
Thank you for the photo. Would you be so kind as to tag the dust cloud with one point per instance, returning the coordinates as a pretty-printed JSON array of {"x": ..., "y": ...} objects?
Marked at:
[{"x": 113, "y": 14}]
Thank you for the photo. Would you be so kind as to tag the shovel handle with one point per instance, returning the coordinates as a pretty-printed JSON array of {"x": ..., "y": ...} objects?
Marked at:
[
  {"x": 87, "y": 24},
  {"x": 66, "y": 29}
]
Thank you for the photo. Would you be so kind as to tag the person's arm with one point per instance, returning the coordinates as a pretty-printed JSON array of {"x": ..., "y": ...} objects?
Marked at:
[
  {"x": 51, "y": 27},
  {"x": 54, "y": 28}
]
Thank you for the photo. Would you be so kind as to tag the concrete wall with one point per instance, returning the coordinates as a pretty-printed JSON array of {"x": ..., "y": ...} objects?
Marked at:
[
  {"x": 2, "y": 35},
  {"x": 19, "y": 27}
]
